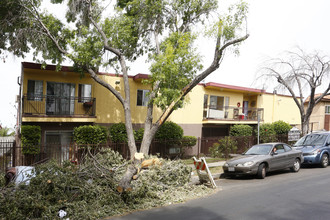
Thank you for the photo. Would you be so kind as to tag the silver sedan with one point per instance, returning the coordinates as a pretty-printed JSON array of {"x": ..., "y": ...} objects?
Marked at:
[{"x": 262, "y": 158}]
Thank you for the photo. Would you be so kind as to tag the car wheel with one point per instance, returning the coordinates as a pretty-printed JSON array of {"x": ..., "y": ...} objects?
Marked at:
[
  {"x": 261, "y": 171},
  {"x": 296, "y": 165},
  {"x": 324, "y": 160}
]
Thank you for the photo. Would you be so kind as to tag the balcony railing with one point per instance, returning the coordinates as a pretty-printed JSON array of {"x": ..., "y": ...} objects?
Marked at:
[
  {"x": 233, "y": 113},
  {"x": 58, "y": 106}
]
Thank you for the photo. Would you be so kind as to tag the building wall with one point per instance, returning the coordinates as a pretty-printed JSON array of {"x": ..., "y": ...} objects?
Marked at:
[
  {"x": 279, "y": 107},
  {"x": 317, "y": 118},
  {"x": 192, "y": 112},
  {"x": 53, "y": 76},
  {"x": 192, "y": 130},
  {"x": 109, "y": 110},
  {"x": 61, "y": 77}
]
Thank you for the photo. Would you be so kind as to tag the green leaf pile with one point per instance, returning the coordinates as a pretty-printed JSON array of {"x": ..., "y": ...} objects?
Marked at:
[{"x": 88, "y": 191}]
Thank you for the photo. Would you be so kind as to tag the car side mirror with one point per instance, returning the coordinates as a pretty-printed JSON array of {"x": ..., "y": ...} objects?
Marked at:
[{"x": 274, "y": 153}]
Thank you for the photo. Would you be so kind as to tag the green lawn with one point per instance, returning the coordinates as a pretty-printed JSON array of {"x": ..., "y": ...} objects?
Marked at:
[{"x": 208, "y": 160}]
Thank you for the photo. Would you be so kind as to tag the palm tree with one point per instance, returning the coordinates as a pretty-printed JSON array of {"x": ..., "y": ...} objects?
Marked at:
[{"x": 5, "y": 132}]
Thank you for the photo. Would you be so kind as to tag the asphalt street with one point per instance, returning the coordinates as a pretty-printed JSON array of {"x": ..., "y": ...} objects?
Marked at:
[{"x": 281, "y": 195}]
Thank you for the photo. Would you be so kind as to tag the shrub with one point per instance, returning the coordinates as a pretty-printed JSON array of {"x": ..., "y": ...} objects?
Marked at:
[
  {"x": 31, "y": 137},
  {"x": 188, "y": 141},
  {"x": 118, "y": 133},
  {"x": 224, "y": 147},
  {"x": 281, "y": 127},
  {"x": 138, "y": 134},
  {"x": 241, "y": 130},
  {"x": 267, "y": 133},
  {"x": 89, "y": 134},
  {"x": 243, "y": 134},
  {"x": 169, "y": 131}
]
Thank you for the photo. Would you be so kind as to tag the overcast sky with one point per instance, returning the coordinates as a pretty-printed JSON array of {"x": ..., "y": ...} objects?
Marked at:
[{"x": 274, "y": 27}]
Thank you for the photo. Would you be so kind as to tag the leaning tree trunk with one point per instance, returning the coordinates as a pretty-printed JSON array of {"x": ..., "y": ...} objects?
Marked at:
[{"x": 148, "y": 136}]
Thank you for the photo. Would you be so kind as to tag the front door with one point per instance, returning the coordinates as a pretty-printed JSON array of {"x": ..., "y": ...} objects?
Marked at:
[
  {"x": 245, "y": 108},
  {"x": 58, "y": 145}
]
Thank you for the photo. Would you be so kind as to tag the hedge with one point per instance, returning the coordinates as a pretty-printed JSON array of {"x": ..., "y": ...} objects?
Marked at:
[
  {"x": 31, "y": 137},
  {"x": 90, "y": 134}
]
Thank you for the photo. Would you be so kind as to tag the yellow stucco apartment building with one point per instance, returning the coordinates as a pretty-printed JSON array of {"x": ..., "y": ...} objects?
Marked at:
[{"x": 58, "y": 101}]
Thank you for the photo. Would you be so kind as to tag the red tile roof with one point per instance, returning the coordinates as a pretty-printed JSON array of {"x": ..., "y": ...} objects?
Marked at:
[
  {"x": 325, "y": 98},
  {"x": 224, "y": 86}
]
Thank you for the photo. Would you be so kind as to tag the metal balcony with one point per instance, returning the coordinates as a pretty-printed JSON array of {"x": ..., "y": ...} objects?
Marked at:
[
  {"x": 232, "y": 113},
  {"x": 33, "y": 105}
]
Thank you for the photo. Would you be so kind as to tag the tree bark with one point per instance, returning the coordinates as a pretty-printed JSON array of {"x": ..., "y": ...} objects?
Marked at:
[
  {"x": 304, "y": 126},
  {"x": 125, "y": 182}
]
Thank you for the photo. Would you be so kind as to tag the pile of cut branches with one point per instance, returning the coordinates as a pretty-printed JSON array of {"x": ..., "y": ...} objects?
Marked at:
[{"x": 89, "y": 191}]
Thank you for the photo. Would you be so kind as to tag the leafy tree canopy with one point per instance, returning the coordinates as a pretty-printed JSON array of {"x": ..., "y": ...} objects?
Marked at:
[
  {"x": 5, "y": 132},
  {"x": 95, "y": 34},
  {"x": 281, "y": 127}
]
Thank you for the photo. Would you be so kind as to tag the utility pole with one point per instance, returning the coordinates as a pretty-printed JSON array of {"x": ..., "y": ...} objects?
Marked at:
[{"x": 258, "y": 127}]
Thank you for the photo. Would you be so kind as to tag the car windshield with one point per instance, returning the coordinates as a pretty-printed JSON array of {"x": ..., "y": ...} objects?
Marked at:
[
  {"x": 311, "y": 139},
  {"x": 262, "y": 149}
]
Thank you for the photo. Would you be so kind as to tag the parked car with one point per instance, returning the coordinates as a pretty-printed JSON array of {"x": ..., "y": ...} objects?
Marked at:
[
  {"x": 19, "y": 175},
  {"x": 315, "y": 148},
  {"x": 263, "y": 158}
]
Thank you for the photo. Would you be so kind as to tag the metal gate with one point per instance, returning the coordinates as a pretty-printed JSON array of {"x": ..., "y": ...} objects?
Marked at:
[{"x": 7, "y": 152}]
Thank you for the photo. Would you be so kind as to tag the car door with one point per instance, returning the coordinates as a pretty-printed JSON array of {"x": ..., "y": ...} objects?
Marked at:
[
  {"x": 327, "y": 144},
  {"x": 290, "y": 155},
  {"x": 278, "y": 159}
]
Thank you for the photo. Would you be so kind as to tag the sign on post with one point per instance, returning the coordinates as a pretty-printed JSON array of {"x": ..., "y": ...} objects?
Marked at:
[
  {"x": 294, "y": 134},
  {"x": 203, "y": 171}
]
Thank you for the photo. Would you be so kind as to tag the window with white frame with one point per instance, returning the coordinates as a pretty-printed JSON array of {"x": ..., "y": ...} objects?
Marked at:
[
  {"x": 84, "y": 93},
  {"x": 327, "y": 109},
  {"x": 142, "y": 98},
  {"x": 34, "y": 90}
]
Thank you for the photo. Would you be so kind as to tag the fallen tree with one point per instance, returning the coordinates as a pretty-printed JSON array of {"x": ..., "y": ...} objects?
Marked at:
[{"x": 89, "y": 191}]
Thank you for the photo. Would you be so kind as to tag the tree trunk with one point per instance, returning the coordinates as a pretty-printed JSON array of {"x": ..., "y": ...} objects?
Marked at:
[
  {"x": 304, "y": 126},
  {"x": 147, "y": 139},
  {"x": 148, "y": 135},
  {"x": 125, "y": 182}
]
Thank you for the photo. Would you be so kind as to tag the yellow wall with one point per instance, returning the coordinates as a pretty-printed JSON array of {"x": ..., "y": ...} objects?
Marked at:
[
  {"x": 279, "y": 107},
  {"x": 109, "y": 109},
  {"x": 192, "y": 113},
  {"x": 53, "y": 76}
]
